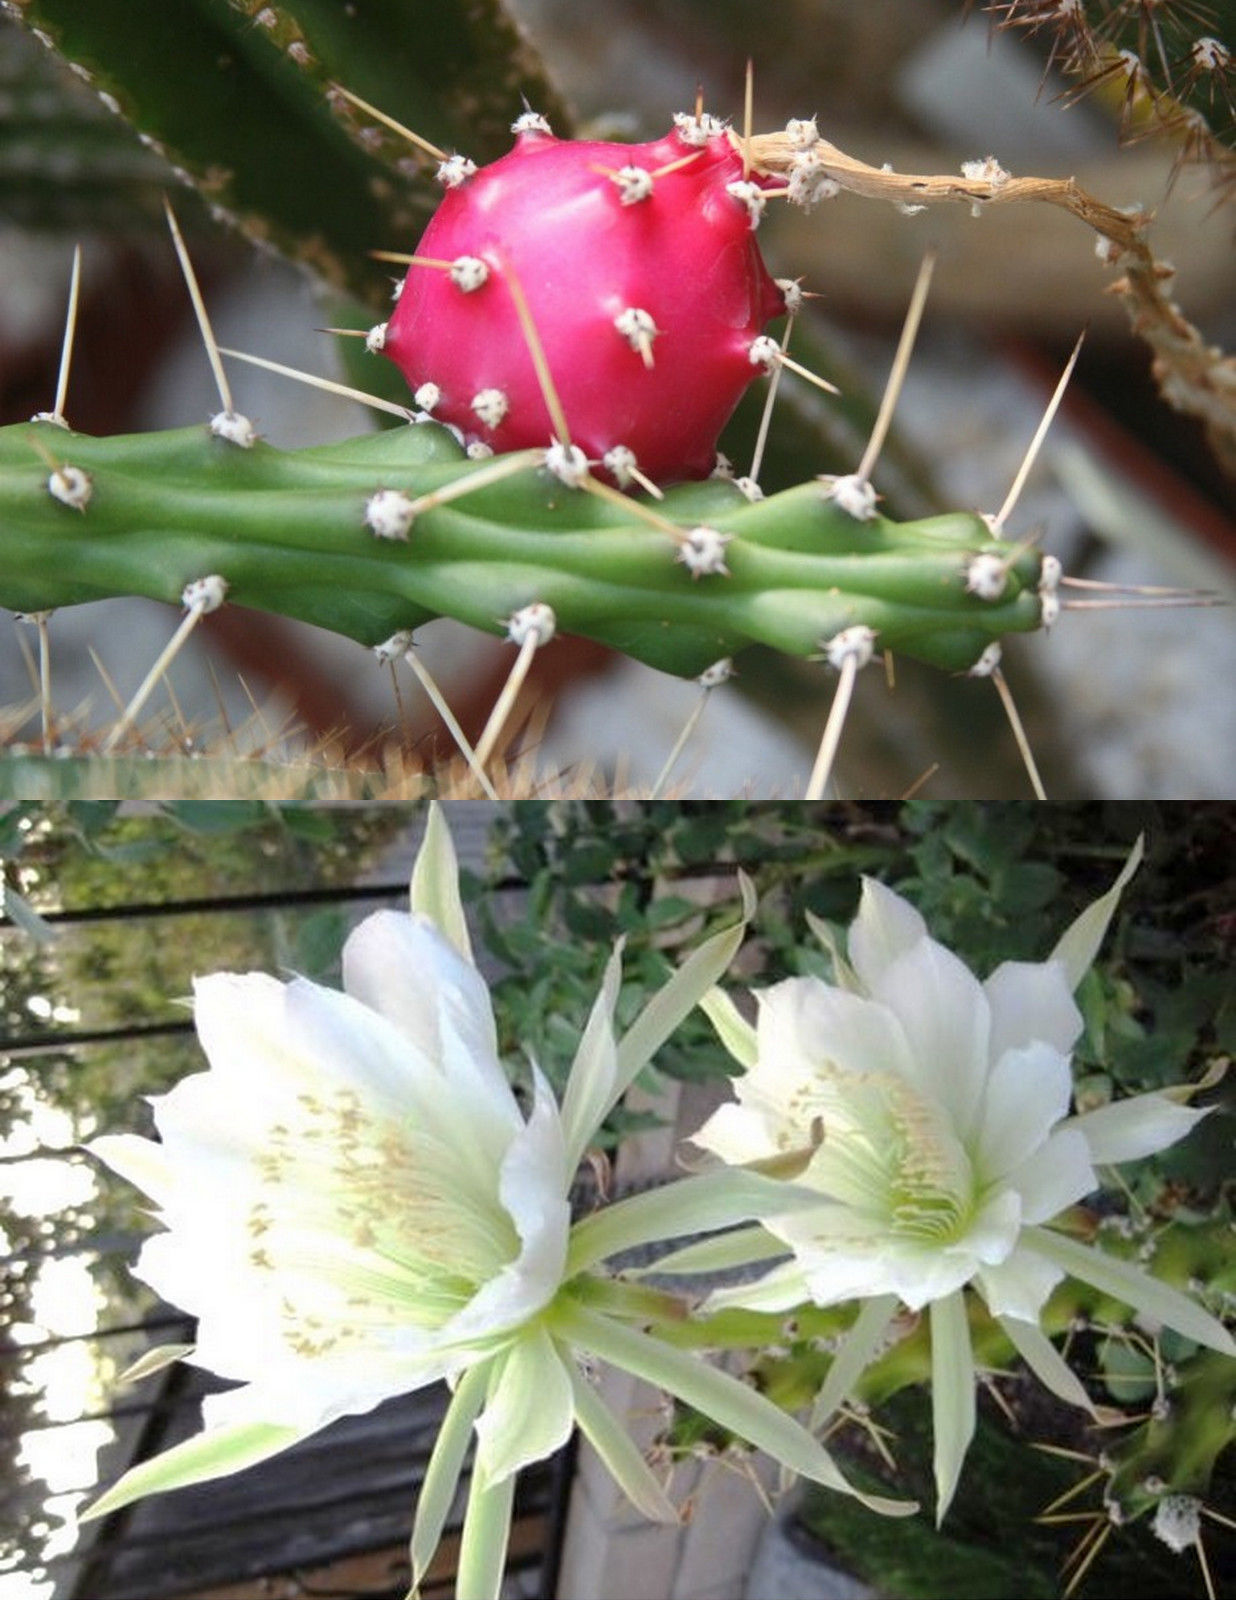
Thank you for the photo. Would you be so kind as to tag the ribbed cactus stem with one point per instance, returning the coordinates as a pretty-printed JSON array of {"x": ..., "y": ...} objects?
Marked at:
[{"x": 323, "y": 534}]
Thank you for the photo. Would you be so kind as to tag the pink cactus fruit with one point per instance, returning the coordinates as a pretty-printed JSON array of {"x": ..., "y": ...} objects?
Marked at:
[{"x": 645, "y": 286}]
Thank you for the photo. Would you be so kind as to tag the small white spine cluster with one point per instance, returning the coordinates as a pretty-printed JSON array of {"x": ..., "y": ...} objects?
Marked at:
[
  {"x": 634, "y": 184},
  {"x": 793, "y": 293},
  {"x": 237, "y": 430},
  {"x": 531, "y": 122},
  {"x": 697, "y": 130},
  {"x": 1050, "y": 573},
  {"x": 702, "y": 552},
  {"x": 491, "y": 406},
  {"x": 764, "y": 351},
  {"x": 395, "y": 648},
  {"x": 389, "y": 514},
  {"x": 751, "y": 196},
  {"x": 456, "y": 169},
  {"x": 204, "y": 595},
  {"x": 469, "y": 273},
  {"x": 986, "y": 576},
  {"x": 808, "y": 180},
  {"x": 988, "y": 170},
  {"x": 620, "y": 463},
  {"x": 567, "y": 463},
  {"x": 988, "y": 661},
  {"x": 427, "y": 396},
  {"x": 851, "y": 644},
  {"x": 375, "y": 339},
  {"x": 720, "y": 672},
  {"x": 856, "y": 496},
  {"x": 536, "y": 621},
  {"x": 71, "y": 486},
  {"x": 639, "y": 329},
  {"x": 1178, "y": 1521}
]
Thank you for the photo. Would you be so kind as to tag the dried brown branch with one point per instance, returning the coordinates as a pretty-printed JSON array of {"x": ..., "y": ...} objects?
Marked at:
[{"x": 1194, "y": 376}]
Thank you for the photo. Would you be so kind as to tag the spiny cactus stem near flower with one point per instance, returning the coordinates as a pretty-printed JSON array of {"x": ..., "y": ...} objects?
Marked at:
[{"x": 286, "y": 531}]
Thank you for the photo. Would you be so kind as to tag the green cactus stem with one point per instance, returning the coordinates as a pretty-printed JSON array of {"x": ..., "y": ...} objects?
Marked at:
[{"x": 287, "y": 533}]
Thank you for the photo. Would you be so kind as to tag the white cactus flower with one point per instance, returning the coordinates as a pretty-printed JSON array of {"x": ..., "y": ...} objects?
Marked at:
[
  {"x": 939, "y": 1108},
  {"x": 356, "y": 1205}
]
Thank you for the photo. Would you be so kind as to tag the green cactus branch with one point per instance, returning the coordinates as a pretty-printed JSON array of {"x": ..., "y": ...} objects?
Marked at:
[{"x": 287, "y": 532}]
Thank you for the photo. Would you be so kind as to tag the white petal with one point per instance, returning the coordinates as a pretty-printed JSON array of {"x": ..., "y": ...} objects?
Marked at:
[
  {"x": 308, "y": 1399},
  {"x": 923, "y": 1276},
  {"x": 779, "y": 1289},
  {"x": 1080, "y": 942},
  {"x": 532, "y": 1187},
  {"x": 1028, "y": 1092},
  {"x": 435, "y": 883},
  {"x": 1019, "y": 1286},
  {"x": 404, "y": 969},
  {"x": 1056, "y": 1176},
  {"x": 1031, "y": 1001},
  {"x": 1128, "y": 1283},
  {"x": 739, "y": 1133},
  {"x": 590, "y": 1086},
  {"x": 804, "y": 1024},
  {"x": 733, "y": 1029},
  {"x": 271, "y": 1043},
  {"x": 205, "y": 1456},
  {"x": 993, "y": 1233},
  {"x": 885, "y": 927},
  {"x": 139, "y": 1161},
  {"x": 952, "y": 1395},
  {"x": 943, "y": 1012},
  {"x": 1129, "y": 1129},
  {"x": 530, "y": 1411},
  {"x": 1045, "y": 1361}
]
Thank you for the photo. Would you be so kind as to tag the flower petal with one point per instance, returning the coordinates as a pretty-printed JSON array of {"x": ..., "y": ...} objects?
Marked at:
[
  {"x": 697, "y": 1204},
  {"x": 1135, "y": 1288},
  {"x": 139, "y": 1161},
  {"x": 532, "y": 1186},
  {"x": 733, "y": 1029},
  {"x": 804, "y": 1024},
  {"x": 1055, "y": 1177},
  {"x": 486, "y": 1534},
  {"x": 433, "y": 1504},
  {"x": 590, "y": 1086},
  {"x": 739, "y": 1133},
  {"x": 208, "y": 1455},
  {"x": 1079, "y": 944},
  {"x": 618, "y": 1451},
  {"x": 1019, "y": 1285},
  {"x": 944, "y": 1014},
  {"x": 434, "y": 890},
  {"x": 1031, "y": 1001},
  {"x": 857, "y": 1348},
  {"x": 718, "y": 1395},
  {"x": 404, "y": 969},
  {"x": 952, "y": 1395},
  {"x": 530, "y": 1410},
  {"x": 1128, "y": 1129},
  {"x": 1046, "y": 1362},
  {"x": 886, "y": 926},
  {"x": 679, "y": 995},
  {"x": 781, "y": 1287},
  {"x": 1028, "y": 1092}
]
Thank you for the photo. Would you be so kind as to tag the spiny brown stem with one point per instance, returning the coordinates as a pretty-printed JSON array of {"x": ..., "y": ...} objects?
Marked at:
[{"x": 1193, "y": 376}]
